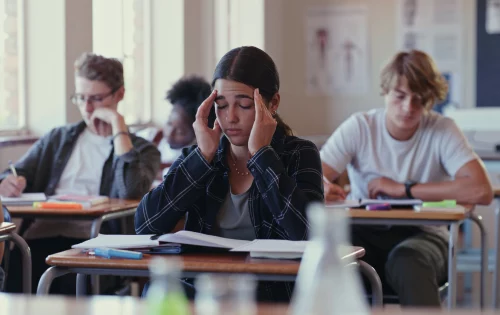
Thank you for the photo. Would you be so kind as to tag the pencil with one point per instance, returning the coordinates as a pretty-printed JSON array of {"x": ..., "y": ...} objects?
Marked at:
[{"x": 12, "y": 168}]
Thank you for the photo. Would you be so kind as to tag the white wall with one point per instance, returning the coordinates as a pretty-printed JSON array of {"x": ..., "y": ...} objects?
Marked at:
[{"x": 285, "y": 41}]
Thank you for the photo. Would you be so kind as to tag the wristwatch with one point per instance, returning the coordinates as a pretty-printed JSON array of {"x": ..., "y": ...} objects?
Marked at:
[{"x": 408, "y": 185}]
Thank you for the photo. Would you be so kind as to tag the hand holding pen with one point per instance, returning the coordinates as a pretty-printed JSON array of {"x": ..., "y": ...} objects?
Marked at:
[{"x": 12, "y": 185}]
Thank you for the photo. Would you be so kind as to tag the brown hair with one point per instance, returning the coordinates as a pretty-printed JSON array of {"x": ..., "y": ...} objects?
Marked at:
[
  {"x": 98, "y": 68},
  {"x": 424, "y": 79}
]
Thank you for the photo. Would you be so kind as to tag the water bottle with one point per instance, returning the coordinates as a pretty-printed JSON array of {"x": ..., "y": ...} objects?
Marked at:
[
  {"x": 225, "y": 295},
  {"x": 166, "y": 295},
  {"x": 325, "y": 284}
]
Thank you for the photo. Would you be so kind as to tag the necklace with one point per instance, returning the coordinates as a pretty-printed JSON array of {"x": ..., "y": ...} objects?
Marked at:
[{"x": 235, "y": 167}]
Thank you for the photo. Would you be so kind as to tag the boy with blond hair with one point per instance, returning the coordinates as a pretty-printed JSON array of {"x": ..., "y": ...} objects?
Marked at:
[{"x": 405, "y": 150}]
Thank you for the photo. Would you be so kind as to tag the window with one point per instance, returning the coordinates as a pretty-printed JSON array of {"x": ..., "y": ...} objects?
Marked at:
[
  {"x": 12, "y": 111},
  {"x": 238, "y": 23},
  {"x": 121, "y": 30}
]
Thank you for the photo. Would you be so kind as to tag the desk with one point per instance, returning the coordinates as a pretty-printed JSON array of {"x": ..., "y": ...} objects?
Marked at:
[
  {"x": 496, "y": 268},
  {"x": 409, "y": 217},
  {"x": 75, "y": 261},
  {"x": 7, "y": 232},
  {"x": 110, "y": 305},
  {"x": 114, "y": 209}
]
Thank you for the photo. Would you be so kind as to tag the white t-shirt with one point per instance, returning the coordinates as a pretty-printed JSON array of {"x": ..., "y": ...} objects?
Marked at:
[
  {"x": 436, "y": 151},
  {"x": 168, "y": 155},
  {"x": 81, "y": 176}
]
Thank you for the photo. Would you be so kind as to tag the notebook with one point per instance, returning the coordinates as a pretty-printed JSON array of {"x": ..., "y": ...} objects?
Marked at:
[
  {"x": 150, "y": 240},
  {"x": 357, "y": 203},
  {"x": 24, "y": 200},
  {"x": 85, "y": 201},
  {"x": 184, "y": 241},
  {"x": 277, "y": 249}
]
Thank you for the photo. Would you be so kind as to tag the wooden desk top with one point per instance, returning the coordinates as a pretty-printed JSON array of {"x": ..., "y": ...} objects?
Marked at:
[
  {"x": 6, "y": 228},
  {"x": 406, "y": 214},
  {"x": 220, "y": 262},
  {"x": 114, "y": 205},
  {"x": 110, "y": 305}
]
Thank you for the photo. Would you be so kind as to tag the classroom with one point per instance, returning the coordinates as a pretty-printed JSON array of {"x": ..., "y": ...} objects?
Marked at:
[{"x": 249, "y": 157}]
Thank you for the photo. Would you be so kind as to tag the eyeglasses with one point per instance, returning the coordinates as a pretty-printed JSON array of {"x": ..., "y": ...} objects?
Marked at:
[{"x": 81, "y": 100}]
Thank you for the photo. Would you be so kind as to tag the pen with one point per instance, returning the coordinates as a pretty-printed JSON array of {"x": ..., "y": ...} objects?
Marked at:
[
  {"x": 155, "y": 237},
  {"x": 12, "y": 168},
  {"x": 117, "y": 253}
]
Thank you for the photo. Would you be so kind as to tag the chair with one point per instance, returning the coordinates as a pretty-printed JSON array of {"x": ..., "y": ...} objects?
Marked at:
[{"x": 6, "y": 255}]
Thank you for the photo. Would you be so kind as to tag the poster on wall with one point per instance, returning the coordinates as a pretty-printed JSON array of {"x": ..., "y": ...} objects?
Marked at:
[
  {"x": 435, "y": 27},
  {"x": 337, "y": 50},
  {"x": 493, "y": 17}
]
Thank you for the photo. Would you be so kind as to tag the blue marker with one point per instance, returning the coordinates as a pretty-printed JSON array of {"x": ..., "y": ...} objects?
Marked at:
[{"x": 117, "y": 253}]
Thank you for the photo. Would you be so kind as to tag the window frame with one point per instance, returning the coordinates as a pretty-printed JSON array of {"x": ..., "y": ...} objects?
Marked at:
[{"x": 22, "y": 128}]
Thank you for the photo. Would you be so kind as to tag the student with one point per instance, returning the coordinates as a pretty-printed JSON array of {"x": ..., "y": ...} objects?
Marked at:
[
  {"x": 406, "y": 151},
  {"x": 255, "y": 181},
  {"x": 185, "y": 96},
  {"x": 96, "y": 156}
]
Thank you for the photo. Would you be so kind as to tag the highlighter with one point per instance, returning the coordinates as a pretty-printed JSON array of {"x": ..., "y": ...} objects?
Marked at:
[
  {"x": 58, "y": 205},
  {"x": 116, "y": 253},
  {"x": 379, "y": 206},
  {"x": 440, "y": 204}
]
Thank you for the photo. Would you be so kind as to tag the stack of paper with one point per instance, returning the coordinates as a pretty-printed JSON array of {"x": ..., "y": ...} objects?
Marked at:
[
  {"x": 85, "y": 201},
  {"x": 24, "y": 200}
]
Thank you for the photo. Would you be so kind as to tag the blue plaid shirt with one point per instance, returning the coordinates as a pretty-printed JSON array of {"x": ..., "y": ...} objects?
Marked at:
[{"x": 287, "y": 176}]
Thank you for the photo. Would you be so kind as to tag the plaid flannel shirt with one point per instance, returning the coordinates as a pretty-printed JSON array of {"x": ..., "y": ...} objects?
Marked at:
[{"x": 287, "y": 176}]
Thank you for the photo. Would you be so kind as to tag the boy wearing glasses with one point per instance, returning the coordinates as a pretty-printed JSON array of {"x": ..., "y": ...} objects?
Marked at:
[
  {"x": 97, "y": 156},
  {"x": 405, "y": 150}
]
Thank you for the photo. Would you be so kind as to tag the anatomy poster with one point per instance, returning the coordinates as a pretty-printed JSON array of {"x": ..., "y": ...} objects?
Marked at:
[
  {"x": 337, "y": 50},
  {"x": 434, "y": 26},
  {"x": 493, "y": 16}
]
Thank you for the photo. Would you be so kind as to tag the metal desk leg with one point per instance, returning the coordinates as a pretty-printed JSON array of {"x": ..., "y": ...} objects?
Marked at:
[
  {"x": 94, "y": 232},
  {"x": 496, "y": 268},
  {"x": 96, "y": 227},
  {"x": 26, "y": 260},
  {"x": 48, "y": 276},
  {"x": 452, "y": 266},
  {"x": 81, "y": 285},
  {"x": 484, "y": 256},
  {"x": 371, "y": 274}
]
